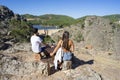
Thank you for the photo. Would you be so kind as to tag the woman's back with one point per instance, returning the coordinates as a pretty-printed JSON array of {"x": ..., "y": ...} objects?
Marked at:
[{"x": 70, "y": 47}]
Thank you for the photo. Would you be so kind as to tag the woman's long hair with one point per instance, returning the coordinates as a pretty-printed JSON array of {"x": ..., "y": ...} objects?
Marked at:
[{"x": 65, "y": 39}]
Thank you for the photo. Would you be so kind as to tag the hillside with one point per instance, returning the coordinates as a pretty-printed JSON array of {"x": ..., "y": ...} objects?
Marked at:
[
  {"x": 13, "y": 28},
  {"x": 50, "y": 19},
  {"x": 113, "y": 18},
  {"x": 62, "y": 20}
]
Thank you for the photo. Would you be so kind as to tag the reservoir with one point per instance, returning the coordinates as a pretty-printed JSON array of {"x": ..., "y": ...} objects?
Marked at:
[{"x": 44, "y": 27}]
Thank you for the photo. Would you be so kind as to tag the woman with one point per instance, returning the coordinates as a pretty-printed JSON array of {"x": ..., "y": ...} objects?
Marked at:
[{"x": 67, "y": 47}]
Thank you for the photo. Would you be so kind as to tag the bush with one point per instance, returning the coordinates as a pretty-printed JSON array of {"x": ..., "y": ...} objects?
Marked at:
[
  {"x": 20, "y": 30},
  {"x": 79, "y": 37},
  {"x": 48, "y": 39}
]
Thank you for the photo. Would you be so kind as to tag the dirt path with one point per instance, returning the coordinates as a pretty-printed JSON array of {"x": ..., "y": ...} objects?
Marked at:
[{"x": 108, "y": 69}]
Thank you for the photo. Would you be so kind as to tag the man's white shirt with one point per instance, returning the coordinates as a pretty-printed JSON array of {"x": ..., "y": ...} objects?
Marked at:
[{"x": 36, "y": 43}]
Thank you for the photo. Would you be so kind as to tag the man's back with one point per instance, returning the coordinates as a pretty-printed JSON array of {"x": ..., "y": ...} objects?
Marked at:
[{"x": 36, "y": 43}]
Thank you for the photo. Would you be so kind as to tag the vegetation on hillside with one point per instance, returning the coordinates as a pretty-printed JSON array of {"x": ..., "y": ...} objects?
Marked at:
[
  {"x": 78, "y": 37},
  {"x": 29, "y": 16},
  {"x": 81, "y": 21},
  {"x": 47, "y": 39},
  {"x": 113, "y": 18},
  {"x": 13, "y": 27},
  {"x": 20, "y": 30},
  {"x": 51, "y": 20}
]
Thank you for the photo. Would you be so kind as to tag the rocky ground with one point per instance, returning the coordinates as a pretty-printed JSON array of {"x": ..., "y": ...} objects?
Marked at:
[{"x": 20, "y": 65}]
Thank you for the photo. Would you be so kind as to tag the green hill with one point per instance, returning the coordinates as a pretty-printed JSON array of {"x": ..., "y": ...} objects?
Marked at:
[
  {"x": 50, "y": 20},
  {"x": 62, "y": 20}
]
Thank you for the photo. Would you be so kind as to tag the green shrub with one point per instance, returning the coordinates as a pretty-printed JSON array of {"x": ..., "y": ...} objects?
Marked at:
[
  {"x": 90, "y": 23},
  {"x": 79, "y": 37},
  {"x": 48, "y": 39}
]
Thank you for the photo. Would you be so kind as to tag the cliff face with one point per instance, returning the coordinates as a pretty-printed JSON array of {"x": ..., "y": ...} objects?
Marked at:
[
  {"x": 102, "y": 35},
  {"x": 98, "y": 33}
]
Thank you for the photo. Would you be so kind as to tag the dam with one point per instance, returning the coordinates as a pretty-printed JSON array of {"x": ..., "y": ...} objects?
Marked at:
[{"x": 47, "y": 30}]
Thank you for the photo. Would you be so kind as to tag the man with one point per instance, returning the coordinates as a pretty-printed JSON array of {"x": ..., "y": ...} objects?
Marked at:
[{"x": 36, "y": 42}]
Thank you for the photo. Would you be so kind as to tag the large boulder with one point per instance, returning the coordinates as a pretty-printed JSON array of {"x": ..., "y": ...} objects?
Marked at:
[
  {"x": 102, "y": 35},
  {"x": 18, "y": 65}
]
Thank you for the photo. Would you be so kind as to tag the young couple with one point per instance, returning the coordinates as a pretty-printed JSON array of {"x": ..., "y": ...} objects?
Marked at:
[{"x": 66, "y": 44}]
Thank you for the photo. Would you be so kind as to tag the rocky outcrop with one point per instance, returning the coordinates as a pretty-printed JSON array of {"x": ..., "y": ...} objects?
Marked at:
[
  {"x": 98, "y": 33},
  {"x": 18, "y": 47},
  {"x": 102, "y": 35},
  {"x": 13, "y": 27},
  {"x": 79, "y": 74},
  {"x": 15, "y": 66},
  {"x": 21, "y": 66},
  {"x": 5, "y": 13}
]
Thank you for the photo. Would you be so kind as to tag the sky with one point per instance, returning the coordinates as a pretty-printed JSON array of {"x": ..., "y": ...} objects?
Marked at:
[{"x": 72, "y": 8}]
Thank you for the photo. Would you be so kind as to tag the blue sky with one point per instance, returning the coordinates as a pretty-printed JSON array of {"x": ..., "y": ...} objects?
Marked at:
[{"x": 73, "y": 8}]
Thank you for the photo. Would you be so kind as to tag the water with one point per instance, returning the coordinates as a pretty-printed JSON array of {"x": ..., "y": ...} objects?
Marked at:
[{"x": 44, "y": 28}]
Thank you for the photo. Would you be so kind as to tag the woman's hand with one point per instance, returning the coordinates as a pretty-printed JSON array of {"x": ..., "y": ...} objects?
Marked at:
[
  {"x": 51, "y": 54},
  {"x": 56, "y": 48}
]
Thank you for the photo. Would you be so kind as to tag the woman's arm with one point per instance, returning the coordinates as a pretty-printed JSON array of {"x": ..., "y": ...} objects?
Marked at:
[
  {"x": 56, "y": 48},
  {"x": 72, "y": 46}
]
